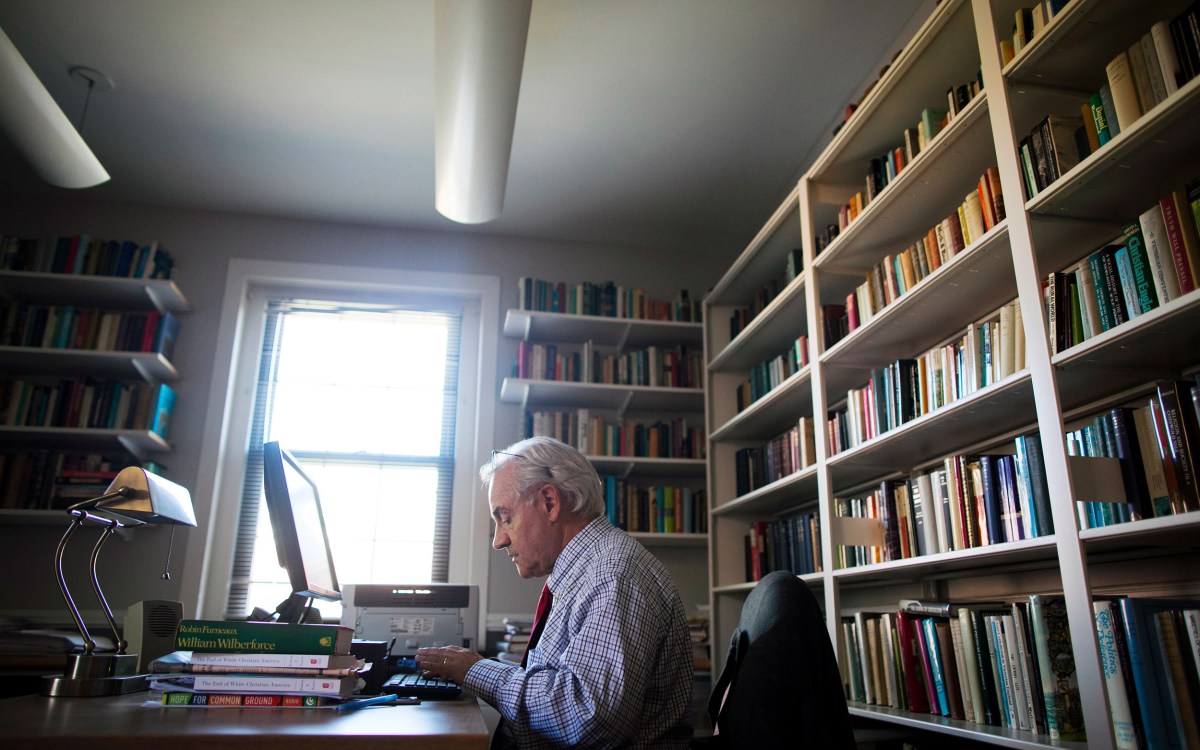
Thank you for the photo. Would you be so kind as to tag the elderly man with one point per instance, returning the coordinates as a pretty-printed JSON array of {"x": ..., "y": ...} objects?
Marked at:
[{"x": 609, "y": 661}]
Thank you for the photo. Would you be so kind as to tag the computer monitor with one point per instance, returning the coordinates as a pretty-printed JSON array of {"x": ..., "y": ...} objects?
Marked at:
[{"x": 301, "y": 542}]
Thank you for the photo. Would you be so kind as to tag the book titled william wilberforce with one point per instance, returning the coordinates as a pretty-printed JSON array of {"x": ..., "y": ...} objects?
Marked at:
[{"x": 262, "y": 637}]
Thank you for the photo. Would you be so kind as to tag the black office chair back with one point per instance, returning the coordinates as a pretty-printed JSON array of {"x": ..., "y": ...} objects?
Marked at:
[{"x": 780, "y": 686}]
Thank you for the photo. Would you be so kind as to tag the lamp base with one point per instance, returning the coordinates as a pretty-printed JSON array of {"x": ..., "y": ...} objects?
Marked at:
[
  {"x": 92, "y": 675},
  {"x": 61, "y": 686}
]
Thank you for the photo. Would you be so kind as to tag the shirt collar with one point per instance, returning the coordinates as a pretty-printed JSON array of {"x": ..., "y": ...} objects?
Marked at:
[{"x": 572, "y": 562}]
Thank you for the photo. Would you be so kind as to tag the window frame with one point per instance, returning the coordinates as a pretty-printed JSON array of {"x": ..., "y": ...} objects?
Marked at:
[{"x": 206, "y": 574}]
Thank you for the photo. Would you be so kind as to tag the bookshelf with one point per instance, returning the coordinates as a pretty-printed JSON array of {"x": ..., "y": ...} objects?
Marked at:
[
  {"x": 1049, "y": 395},
  {"x": 682, "y": 552},
  {"x": 107, "y": 293}
]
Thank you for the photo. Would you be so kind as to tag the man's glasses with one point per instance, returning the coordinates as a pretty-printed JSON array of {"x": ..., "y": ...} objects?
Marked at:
[{"x": 549, "y": 473}]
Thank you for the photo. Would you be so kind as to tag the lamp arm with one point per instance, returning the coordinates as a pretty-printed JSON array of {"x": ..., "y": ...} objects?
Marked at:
[
  {"x": 89, "y": 504},
  {"x": 89, "y": 645},
  {"x": 104, "y": 535}
]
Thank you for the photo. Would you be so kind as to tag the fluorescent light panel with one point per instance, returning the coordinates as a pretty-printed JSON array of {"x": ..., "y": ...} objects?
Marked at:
[{"x": 39, "y": 129}]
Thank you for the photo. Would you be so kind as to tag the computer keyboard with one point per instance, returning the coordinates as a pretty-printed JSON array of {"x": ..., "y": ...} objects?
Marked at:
[{"x": 419, "y": 686}]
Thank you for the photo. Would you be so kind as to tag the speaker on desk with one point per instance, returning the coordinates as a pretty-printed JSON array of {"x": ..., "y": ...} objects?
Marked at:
[{"x": 150, "y": 629}]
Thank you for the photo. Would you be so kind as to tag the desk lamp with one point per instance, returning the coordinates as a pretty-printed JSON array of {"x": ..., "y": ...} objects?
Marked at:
[{"x": 135, "y": 498}]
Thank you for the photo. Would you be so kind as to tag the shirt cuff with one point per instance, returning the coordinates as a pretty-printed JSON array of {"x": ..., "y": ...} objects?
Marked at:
[{"x": 487, "y": 676}]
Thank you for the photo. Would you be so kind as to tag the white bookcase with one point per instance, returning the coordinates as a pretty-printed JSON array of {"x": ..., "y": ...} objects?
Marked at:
[
  {"x": 683, "y": 553},
  {"x": 103, "y": 292},
  {"x": 1079, "y": 213}
]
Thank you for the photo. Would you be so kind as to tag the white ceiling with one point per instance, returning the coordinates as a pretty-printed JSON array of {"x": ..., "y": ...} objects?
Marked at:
[{"x": 662, "y": 124}]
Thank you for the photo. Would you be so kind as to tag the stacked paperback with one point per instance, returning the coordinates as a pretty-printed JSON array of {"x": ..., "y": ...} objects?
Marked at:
[
  {"x": 257, "y": 664},
  {"x": 512, "y": 645}
]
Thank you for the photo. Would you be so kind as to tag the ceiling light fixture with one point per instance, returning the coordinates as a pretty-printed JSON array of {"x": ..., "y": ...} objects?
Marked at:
[
  {"x": 479, "y": 50},
  {"x": 36, "y": 125}
]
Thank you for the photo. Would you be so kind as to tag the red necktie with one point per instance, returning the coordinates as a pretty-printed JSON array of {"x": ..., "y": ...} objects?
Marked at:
[{"x": 539, "y": 620}]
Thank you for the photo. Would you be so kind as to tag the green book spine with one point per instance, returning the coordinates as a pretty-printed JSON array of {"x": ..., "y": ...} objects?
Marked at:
[
  {"x": 1139, "y": 262},
  {"x": 1096, "y": 104},
  {"x": 1103, "y": 303},
  {"x": 262, "y": 637}
]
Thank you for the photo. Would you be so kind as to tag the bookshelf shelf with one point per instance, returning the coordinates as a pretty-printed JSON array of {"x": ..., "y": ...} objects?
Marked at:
[
  {"x": 771, "y": 413},
  {"x": 16, "y": 517},
  {"x": 785, "y": 493},
  {"x": 541, "y": 393},
  {"x": 97, "y": 291},
  {"x": 1127, "y": 175},
  {"x": 670, "y": 540},
  {"x": 637, "y": 467},
  {"x": 1164, "y": 339},
  {"x": 920, "y": 196},
  {"x": 771, "y": 331},
  {"x": 137, "y": 442},
  {"x": 533, "y": 325},
  {"x": 1040, "y": 552},
  {"x": 996, "y": 409},
  {"x": 902, "y": 329},
  {"x": 965, "y": 730},
  {"x": 1049, "y": 395},
  {"x": 149, "y": 366},
  {"x": 764, "y": 259}
]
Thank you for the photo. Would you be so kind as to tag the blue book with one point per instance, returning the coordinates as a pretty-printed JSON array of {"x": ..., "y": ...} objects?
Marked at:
[
  {"x": 1141, "y": 641},
  {"x": 935, "y": 664},
  {"x": 1000, "y": 657}
]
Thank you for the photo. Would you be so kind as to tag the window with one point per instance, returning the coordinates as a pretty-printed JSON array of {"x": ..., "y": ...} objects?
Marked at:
[
  {"x": 364, "y": 396},
  {"x": 208, "y": 570}
]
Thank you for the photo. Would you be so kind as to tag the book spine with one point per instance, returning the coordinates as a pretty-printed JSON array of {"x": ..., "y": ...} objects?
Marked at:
[
  {"x": 1172, "y": 221},
  {"x": 254, "y": 637},
  {"x": 1122, "y": 719},
  {"x": 929, "y": 629},
  {"x": 244, "y": 700}
]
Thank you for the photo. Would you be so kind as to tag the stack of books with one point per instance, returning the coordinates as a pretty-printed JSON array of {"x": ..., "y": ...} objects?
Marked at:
[
  {"x": 222, "y": 663},
  {"x": 512, "y": 646}
]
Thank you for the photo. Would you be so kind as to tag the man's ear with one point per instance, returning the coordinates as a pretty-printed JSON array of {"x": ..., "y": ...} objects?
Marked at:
[{"x": 551, "y": 500}]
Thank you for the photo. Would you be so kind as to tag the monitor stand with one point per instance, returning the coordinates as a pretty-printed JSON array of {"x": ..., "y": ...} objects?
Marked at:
[{"x": 295, "y": 610}]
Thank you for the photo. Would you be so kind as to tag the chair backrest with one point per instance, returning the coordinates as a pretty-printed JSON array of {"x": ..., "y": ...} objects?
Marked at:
[{"x": 781, "y": 686}]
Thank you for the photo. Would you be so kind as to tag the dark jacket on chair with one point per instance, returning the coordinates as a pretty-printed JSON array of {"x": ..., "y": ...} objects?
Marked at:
[{"x": 784, "y": 687}]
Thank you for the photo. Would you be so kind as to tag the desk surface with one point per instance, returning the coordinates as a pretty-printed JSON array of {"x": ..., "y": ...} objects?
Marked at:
[{"x": 39, "y": 722}]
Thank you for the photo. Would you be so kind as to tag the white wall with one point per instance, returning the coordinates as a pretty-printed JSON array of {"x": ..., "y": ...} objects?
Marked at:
[{"x": 202, "y": 244}]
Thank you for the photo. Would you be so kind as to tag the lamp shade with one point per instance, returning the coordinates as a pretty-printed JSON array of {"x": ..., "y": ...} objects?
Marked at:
[
  {"x": 146, "y": 497},
  {"x": 479, "y": 50},
  {"x": 37, "y": 126}
]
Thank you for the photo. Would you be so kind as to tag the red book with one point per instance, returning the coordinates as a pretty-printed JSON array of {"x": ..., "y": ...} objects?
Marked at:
[
  {"x": 1179, "y": 239},
  {"x": 907, "y": 625}
]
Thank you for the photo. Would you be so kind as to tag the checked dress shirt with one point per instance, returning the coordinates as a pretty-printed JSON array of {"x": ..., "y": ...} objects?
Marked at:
[{"x": 613, "y": 666}]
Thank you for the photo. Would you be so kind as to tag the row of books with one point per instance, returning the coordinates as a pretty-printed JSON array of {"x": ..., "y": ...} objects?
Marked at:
[
  {"x": 655, "y": 366},
  {"x": 1150, "y": 651},
  {"x": 791, "y": 543},
  {"x": 254, "y": 664},
  {"x": 1156, "y": 260},
  {"x": 1156, "y": 442},
  {"x": 770, "y": 373},
  {"x": 42, "y": 479},
  {"x": 783, "y": 455},
  {"x": 69, "y": 327},
  {"x": 896, "y": 275},
  {"x": 1028, "y": 22},
  {"x": 605, "y": 299},
  {"x": 655, "y": 509},
  {"x": 87, "y": 402},
  {"x": 602, "y": 435},
  {"x": 1004, "y": 664},
  {"x": 1135, "y": 81},
  {"x": 969, "y": 501},
  {"x": 882, "y": 170},
  {"x": 81, "y": 254},
  {"x": 742, "y": 316},
  {"x": 906, "y": 389}
]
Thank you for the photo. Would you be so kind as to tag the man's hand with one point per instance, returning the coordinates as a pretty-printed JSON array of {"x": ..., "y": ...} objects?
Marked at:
[{"x": 451, "y": 662}]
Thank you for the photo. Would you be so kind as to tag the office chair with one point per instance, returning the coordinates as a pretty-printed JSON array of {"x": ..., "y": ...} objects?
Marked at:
[{"x": 780, "y": 686}]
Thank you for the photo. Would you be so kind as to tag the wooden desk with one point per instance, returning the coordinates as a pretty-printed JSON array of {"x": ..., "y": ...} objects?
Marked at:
[{"x": 32, "y": 721}]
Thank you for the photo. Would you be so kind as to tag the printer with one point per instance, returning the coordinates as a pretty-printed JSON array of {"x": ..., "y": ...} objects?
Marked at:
[{"x": 416, "y": 615}]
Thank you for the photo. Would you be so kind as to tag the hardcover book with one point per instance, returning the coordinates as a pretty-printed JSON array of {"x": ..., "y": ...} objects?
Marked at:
[{"x": 262, "y": 637}]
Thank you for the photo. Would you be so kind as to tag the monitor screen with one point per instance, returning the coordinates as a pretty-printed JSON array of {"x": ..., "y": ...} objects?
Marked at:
[{"x": 294, "y": 507}]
